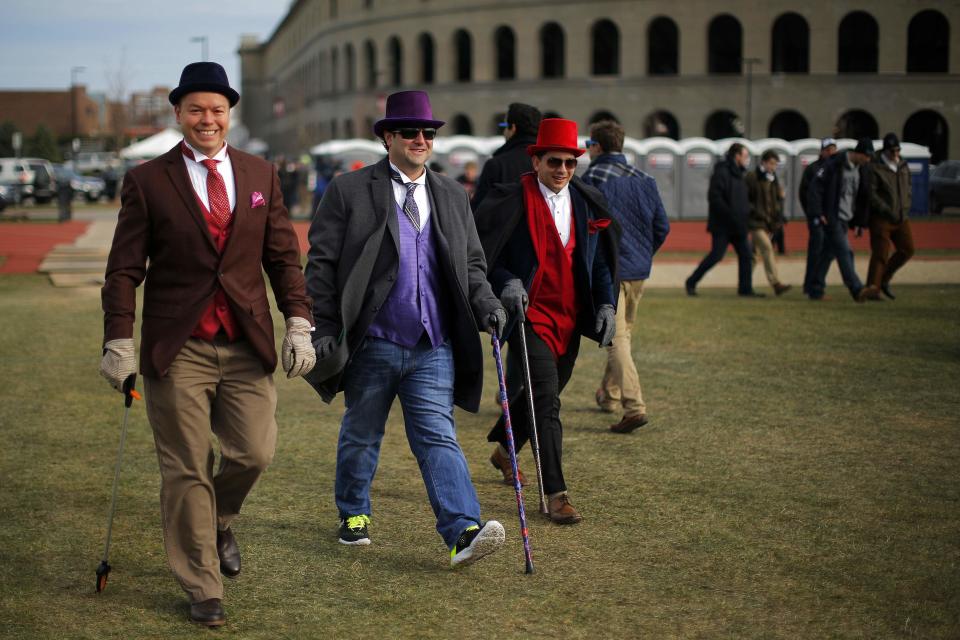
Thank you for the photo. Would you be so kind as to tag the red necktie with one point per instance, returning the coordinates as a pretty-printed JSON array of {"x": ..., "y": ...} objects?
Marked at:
[{"x": 217, "y": 194}]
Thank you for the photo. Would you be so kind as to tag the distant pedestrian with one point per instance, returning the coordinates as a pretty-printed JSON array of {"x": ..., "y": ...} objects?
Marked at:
[
  {"x": 766, "y": 214},
  {"x": 469, "y": 178},
  {"x": 510, "y": 161},
  {"x": 815, "y": 224},
  {"x": 729, "y": 210},
  {"x": 890, "y": 199},
  {"x": 840, "y": 194},
  {"x": 635, "y": 203}
]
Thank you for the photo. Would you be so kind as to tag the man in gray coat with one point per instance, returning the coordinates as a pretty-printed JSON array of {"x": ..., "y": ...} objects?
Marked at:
[{"x": 399, "y": 284}]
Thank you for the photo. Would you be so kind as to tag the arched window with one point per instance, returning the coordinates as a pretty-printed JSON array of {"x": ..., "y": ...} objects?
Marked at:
[
  {"x": 551, "y": 50},
  {"x": 725, "y": 45},
  {"x": 350, "y": 70},
  {"x": 661, "y": 124},
  {"x": 663, "y": 43},
  {"x": 505, "y": 45},
  {"x": 370, "y": 64},
  {"x": 722, "y": 124},
  {"x": 930, "y": 129},
  {"x": 602, "y": 115},
  {"x": 606, "y": 48},
  {"x": 789, "y": 125},
  {"x": 790, "y": 45},
  {"x": 463, "y": 58},
  {"x": 395, "y": 51},
  {"x": 334, "y": 69},
  {"x": 856, "y": 124},
  {"x": 461, "y": 125},
  {"x": 857, "y": 43},
  {"x": 427, "y": 64},
  {"x": 928, "y": 43}
]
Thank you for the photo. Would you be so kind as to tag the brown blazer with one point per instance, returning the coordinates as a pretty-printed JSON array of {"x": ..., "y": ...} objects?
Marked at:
[{"x": 161, "y": 221}]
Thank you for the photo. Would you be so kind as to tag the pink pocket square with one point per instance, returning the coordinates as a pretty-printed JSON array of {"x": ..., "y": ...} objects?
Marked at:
[{"x": 256, "y": 200}]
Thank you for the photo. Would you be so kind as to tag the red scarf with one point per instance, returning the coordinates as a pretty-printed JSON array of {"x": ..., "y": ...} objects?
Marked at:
[{"x": 553, "y": 297}]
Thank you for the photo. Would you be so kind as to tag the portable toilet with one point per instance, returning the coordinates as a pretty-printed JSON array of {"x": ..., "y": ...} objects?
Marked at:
[
  {"x": 697, "y": 157},
  {"x": 785, "y": 171},
  {"x": 805, "y": 153},
  {"x": 917, "y": 158},
  {"x": 661, "y": 161}
]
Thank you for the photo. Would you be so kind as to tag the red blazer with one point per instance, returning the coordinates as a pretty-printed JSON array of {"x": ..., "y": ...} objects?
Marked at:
[{"x": 162, "y": 236}]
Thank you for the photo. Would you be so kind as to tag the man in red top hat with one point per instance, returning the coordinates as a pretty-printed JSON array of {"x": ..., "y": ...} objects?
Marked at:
[
  {"x": 551, "y": 252},
  {"x": 207, "y": 344}
]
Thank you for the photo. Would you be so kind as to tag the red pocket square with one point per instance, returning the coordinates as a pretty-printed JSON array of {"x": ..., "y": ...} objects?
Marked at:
[
  {"x": 594, "y": 226},
  {"x": 256, "y": 200}
]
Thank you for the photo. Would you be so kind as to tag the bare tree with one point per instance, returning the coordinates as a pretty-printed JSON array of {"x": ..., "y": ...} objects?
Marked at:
[{"x": 118, "y": 79}]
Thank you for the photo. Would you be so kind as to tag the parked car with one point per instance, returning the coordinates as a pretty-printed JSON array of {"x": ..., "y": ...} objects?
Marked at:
[
  {"x": 17, "y": 171},
  {"x": 90, "y": 187},
  {"x": 9, "y": 194},
  {"x": 44, "y": 182},
  {"x": 945, "y": 186}
]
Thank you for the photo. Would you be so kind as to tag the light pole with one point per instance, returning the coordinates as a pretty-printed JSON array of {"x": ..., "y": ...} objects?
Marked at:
[
  {"x": 750, "y": 62},
  {"x": 74, "y": 72},
  {"x": 203, "y": 46}
]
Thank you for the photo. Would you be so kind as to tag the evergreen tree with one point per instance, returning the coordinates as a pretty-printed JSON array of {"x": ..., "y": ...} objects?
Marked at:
[
  {"x": 7, "y": 130},
  {"x": 42, "y": 145}
]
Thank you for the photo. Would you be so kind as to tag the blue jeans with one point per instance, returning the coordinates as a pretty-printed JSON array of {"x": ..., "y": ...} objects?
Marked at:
[
  {"x": 423, "y": 379},
  {"x": 718, "y": 247},
  {"x": 815, "y": 249},
  {"x": 835, "y": 245}
]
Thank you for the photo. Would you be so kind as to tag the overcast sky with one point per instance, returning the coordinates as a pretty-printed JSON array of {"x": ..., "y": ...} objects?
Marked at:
[{"x": 145, "y": 41}]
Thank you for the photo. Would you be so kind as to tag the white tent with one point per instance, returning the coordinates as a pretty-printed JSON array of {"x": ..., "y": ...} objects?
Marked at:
[{"x": 151, "y": 147}]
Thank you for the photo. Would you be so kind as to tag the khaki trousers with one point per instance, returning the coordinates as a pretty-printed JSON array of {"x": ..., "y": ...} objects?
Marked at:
[
  {"x": 621, "y": 382},
  {"x": 218, "y": 387},
  {"x": 763, "y": 247}
]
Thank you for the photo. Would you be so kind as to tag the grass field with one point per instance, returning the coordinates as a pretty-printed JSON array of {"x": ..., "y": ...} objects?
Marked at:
[{"x": 800, "y": 478}]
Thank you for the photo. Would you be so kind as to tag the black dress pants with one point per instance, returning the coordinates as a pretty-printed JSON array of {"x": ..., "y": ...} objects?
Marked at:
[{"x": 548, "y": 376}]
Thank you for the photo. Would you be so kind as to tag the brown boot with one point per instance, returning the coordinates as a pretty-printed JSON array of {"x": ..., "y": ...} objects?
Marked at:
[
  {"x": 561, "y": 511},
  {"x": 502, "y": 464}
]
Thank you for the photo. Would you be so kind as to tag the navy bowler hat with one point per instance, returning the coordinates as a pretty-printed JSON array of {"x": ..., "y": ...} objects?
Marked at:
[
  {"x": 204, "y": 76},
  {"x": 407, "y": 109}
]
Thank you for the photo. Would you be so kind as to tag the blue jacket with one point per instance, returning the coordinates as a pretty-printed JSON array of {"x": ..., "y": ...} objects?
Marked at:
[{"x": 635, "y": 203}]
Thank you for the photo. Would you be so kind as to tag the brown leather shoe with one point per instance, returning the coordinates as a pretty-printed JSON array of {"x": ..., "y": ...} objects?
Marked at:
[
  {"x": 781, "y": 288},
  {"x": 561, "y": 511},
  {"x": 629, "y": 423},
  {"x": 209, "y": 613},
  {"x": 868, "y": 293},
  {"x": 502, "y": 464},
  {"x": 229, "y": 553}
]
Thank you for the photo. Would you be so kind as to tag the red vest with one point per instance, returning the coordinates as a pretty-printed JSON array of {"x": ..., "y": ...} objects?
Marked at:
[{"x": 553, "y": 297}]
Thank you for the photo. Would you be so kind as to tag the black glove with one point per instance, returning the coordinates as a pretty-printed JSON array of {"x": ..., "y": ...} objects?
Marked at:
[
  {"x": 495, "y": 322},
  {"x": 606, "y": 324},
  {"x": 324, "y": 346},
  {"x": 514, "y": 298}
]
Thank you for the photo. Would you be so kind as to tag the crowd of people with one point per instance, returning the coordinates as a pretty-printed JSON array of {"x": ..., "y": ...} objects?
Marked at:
[{"x": 404, "y": 271}]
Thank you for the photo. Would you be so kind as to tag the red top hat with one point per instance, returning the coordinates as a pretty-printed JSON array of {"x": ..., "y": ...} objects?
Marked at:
[{"x": 556, "y": 134}]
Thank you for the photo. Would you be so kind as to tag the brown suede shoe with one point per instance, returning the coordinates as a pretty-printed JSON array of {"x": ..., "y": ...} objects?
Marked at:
[
  {"x": 868, "y": 293},
  {"x": 629, "y": 423},
  {"x": 561, "y": 511},
  {"x": 209, "y": 613},
  {"x": 502, "y": 464},
  {"x": 781, "y": 288}
]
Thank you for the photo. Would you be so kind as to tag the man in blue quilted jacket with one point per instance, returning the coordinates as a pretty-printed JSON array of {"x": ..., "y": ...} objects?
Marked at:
[{"x": 635, "y": 202}]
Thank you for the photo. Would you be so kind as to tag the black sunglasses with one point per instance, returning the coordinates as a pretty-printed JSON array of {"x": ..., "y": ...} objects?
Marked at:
[
  {"x": 411, "y": 134},
  {"x": 556, "y": 163}
]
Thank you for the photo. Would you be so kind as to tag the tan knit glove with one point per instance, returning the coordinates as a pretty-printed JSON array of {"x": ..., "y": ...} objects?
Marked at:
[
  {"x": 118, "y": 362},
  {"x": 297, "y": 355}
]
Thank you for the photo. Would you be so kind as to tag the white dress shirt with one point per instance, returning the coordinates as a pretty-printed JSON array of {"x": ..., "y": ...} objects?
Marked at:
[
  {"x": 559, "y": 204},
  {"x": 419, "y": 194},
  {"x": 198, "y": 174}
]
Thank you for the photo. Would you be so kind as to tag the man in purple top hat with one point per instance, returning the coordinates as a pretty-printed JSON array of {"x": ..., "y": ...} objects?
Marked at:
[{"x": 398, "y": 279}]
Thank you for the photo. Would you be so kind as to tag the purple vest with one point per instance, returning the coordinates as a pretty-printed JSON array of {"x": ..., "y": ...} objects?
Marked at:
[{"x": 413, "y": 305}]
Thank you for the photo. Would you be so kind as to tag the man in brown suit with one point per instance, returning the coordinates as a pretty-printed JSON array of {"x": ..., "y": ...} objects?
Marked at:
[{"x": 201, "y": 223}]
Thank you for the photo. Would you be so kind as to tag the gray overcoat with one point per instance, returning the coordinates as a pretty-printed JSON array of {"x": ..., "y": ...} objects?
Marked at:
[{"x": 352, "y": 266}]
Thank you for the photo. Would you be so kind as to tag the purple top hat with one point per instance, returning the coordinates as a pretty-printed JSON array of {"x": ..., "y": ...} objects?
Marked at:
[
  {"x": 204, "y": 76},
  {"x": 407, "y": 109}
]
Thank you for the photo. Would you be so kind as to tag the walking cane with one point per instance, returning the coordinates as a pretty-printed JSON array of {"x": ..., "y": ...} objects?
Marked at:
[
  {"x": 129, "y": 393},
  {"x": 508, "y": 427},
  {"x": 534, "y": 440}
]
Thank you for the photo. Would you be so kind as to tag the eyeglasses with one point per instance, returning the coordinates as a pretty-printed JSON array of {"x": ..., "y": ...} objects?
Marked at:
[
  {"x": 411, "y": 134},
  {"x": 556, "y": 163}
]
